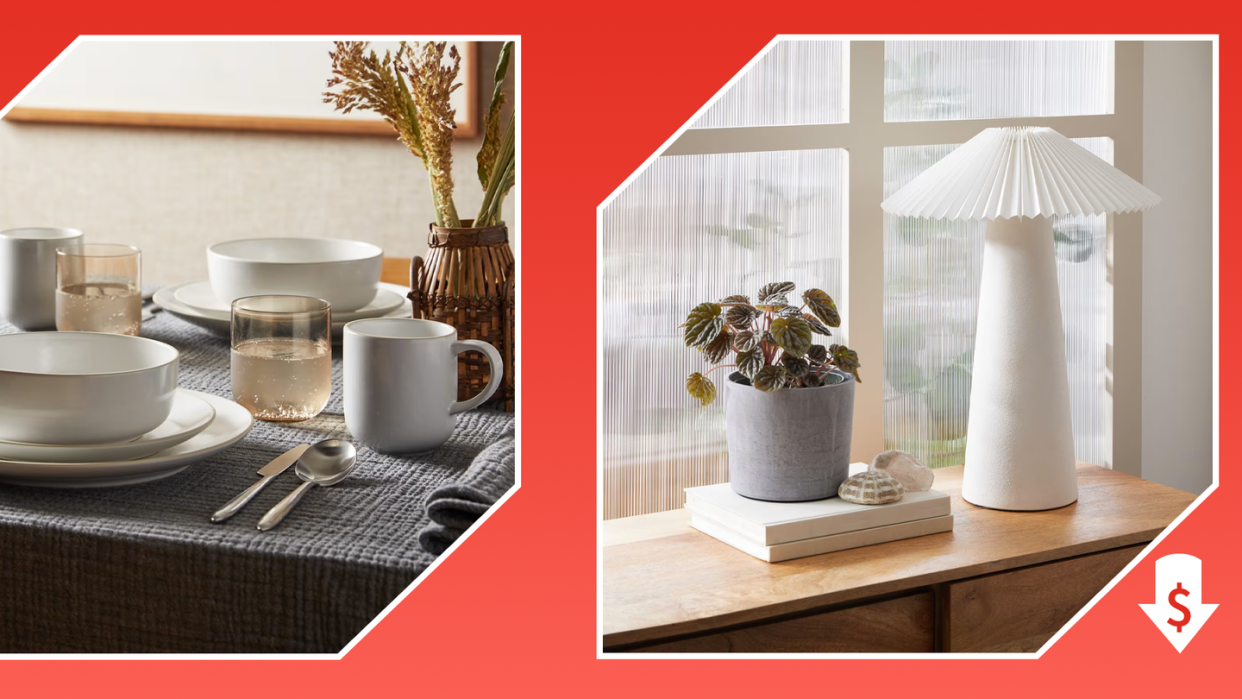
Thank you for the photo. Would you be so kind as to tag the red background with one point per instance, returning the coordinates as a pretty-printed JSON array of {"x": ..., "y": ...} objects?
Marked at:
[{"x": 515, "y": 607}]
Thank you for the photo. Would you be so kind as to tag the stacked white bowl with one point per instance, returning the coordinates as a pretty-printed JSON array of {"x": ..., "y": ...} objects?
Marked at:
[
  {"x": 345, "y": 273},
  {"x": 63, "y": 388}
]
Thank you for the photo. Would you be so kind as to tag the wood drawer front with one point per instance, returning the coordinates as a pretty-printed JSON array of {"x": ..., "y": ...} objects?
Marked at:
[
  {"x": 902, "y": 625},
  {"x": 1018, "y": 611}
]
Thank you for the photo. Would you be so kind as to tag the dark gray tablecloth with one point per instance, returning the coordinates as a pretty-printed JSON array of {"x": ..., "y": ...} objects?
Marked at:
[{"x": 140, "y": 569}]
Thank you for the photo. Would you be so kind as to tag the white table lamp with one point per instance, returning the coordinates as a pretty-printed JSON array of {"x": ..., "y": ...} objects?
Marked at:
[{"x": 1019, "y": 442}]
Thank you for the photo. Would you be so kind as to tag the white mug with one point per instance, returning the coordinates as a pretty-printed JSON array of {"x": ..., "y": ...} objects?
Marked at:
[
  {"x": 401, "y": 382},
  {"x": 28, "y": 275}
]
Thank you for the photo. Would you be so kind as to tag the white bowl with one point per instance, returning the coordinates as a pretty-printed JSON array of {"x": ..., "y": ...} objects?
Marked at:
[
  {"x": 83, "y": 388},
  {"x": 345, "y": 273}
]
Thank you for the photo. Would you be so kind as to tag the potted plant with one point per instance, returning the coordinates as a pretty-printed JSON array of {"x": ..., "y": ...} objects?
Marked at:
[
  {"x": 789, "y": 406},
  {"x": 468, "y": 279}
]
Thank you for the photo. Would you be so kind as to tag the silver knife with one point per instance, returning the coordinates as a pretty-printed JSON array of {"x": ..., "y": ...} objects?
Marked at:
[{"x": 269, "y": 472}]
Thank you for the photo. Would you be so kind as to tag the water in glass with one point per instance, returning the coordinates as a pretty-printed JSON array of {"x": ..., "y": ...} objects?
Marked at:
[
  {"x": 282, "y": 379},
  {"x": 105, "y": 308}
]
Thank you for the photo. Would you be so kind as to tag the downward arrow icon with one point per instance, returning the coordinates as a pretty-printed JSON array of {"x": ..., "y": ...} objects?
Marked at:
[{"x": 1179, "y": 611}]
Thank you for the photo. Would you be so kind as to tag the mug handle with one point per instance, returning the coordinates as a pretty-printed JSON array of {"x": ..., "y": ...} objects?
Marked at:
[{"x": 493, "y": 381}]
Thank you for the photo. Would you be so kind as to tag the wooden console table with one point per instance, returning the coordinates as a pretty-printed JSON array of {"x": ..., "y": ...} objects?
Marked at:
[{"x": 999, "y": 582}]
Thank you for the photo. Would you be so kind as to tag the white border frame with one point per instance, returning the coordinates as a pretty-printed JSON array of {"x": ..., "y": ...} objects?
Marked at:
[
  {"x": 517, "y": 406},
  {"x": 968, "y": 127}
]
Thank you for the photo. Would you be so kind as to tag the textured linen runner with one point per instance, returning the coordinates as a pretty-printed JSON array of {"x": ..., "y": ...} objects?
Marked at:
[
  {"x": 140, "y": 568},
  {"x": 454, "y": 507}
]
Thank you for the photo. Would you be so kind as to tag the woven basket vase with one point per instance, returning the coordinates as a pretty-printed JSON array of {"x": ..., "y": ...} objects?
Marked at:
[{"x": 468, "y": 281}]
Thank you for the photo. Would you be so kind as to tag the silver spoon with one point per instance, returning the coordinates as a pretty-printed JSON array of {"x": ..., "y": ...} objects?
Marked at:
[{"x": 326, "y": 463}]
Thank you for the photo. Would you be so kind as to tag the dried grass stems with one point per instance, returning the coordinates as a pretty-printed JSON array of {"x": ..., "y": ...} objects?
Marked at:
[
  {"x": 411, "y": 90},
  {"x": 431, "y": 85},
  {"x": 502, "y": 177},
  {"x": 498, "y": 155},
  {"x": 373, "y": 84}
]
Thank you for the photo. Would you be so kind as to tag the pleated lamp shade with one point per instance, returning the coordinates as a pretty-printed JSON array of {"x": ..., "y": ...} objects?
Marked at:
[{"x": 1019, "y": 440}]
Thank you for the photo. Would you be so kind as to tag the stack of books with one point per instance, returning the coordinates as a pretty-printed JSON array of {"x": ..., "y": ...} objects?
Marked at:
[{"x": 780, "y": 531}]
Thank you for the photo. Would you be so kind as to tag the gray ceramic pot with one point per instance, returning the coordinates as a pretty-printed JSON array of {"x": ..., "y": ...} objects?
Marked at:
[{"x": 790, "y": 445}]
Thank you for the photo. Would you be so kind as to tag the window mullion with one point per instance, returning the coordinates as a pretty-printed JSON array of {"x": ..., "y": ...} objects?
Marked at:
[
  {"x": 936, "y": 133},
  {"x": 863, "y": 300},
  {"x": 757, "y": 139},
  {"x": 754, "y": 139}
]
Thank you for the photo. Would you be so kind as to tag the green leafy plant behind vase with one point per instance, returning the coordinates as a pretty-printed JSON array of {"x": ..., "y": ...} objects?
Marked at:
[
  {"x": 773, "y": 340},
  {"x": 411, "y": 90}
]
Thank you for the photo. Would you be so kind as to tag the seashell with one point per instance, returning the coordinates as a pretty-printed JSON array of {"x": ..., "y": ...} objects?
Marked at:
[
  {"x": 906, "y": 468},
  {"x": 871, "y": 488}
]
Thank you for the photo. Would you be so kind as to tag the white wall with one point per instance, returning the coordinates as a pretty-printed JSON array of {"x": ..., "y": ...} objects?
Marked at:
[
  {"x": 1177, "y": 264},
  {"x": 173, "y": 192}
]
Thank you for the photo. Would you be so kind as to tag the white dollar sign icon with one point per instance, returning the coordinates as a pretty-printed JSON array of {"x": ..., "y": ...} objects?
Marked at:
[{"x": 1179, "y": 611}]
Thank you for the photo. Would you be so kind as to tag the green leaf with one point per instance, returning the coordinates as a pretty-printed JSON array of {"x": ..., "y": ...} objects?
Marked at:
[
  {"x": 792, "y": 335},
  {"x": 735, "y": 300},
  {"x": 769, "y": 379},
  {"x": 776, "y": 292},
  {"x": 816, "y": 325},
  {"x": 716, "y": 350},
  {"x": 817, "y": 354},
  {"x": 789, "y": 312},
  {"x": 745, "y": 341},
  {"x": 703, "y": 324},
  {"x": 812, "y": 381},
  {"x": 757, "y": 220},
  {"x": 701, "y": 388},
  {"x": 773, "y": 307},
  {"x": 741, "y": 316},
  {"x": 750, "y": 362},
  {"x": 796, "y": 366},
  {"x": 845, "y": 359},
  {"x": 822, "y": 305}
]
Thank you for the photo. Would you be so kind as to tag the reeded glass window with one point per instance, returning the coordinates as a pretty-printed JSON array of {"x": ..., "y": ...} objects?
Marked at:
[
  {"x": 797, "y": 82},
  {"x": 940, "y": 80},
  {"x": 689, "y": 229},
  {"x": 706, "y": 223}
]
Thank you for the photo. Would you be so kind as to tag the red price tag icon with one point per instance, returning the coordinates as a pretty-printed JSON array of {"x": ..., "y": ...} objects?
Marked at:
[{"x": 1179, "y": 611}]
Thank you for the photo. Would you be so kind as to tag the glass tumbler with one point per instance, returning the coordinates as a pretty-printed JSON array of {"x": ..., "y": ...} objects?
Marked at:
[
  {"x": 99, "y": 288},
  {"x": 282, "y": 356}
]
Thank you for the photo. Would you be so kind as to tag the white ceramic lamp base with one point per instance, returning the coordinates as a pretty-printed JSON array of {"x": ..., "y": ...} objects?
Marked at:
[{"x": 1020, "y": 444}]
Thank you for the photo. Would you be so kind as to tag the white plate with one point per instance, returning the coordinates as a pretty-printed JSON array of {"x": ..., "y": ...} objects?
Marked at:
[
  {"x": 103, "y": 482},
  {"x": 190, "y": 415},
  {"x": 232, "y": 423},
  {"x": 200, "y": 297},
  {"x": 166, "y": 298}
]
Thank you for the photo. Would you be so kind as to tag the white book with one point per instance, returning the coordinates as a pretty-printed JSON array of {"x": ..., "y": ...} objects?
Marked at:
[
  {"x": 772, "y": 523},
  {"x": 822, "y": 544}
]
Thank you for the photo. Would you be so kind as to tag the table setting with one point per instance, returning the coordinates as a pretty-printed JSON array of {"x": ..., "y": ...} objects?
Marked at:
[
  {"x": 265, "y": 473},
  {"x": 332, "y": 270}
]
